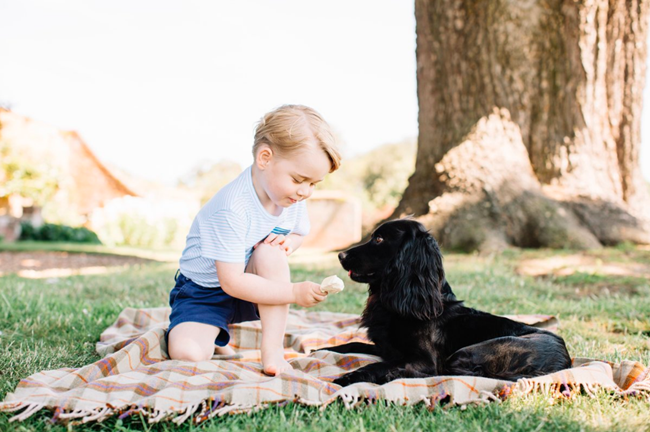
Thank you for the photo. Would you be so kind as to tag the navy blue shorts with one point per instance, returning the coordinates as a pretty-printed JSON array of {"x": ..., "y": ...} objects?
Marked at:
[{"x": 192, "y": 302}]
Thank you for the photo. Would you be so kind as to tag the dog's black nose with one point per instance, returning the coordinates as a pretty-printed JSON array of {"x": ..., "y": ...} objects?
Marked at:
[{"x": 342, "y": 256}]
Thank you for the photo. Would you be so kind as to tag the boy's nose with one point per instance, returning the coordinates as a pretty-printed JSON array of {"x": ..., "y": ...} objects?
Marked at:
[{"x": 303, "y": 193}]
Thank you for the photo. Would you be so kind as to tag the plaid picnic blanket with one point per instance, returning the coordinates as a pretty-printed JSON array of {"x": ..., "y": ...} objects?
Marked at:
[{"x": 136, "y": 376}]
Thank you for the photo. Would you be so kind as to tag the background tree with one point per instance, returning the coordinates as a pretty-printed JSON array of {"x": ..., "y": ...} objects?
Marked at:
[
  {"x": 22, "y": 175},
  {"x": 378, "y": 178},
  {"x": 530, "y": 122}
]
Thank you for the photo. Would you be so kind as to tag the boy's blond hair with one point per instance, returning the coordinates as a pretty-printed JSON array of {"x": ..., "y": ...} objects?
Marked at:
[{"x": 287, "y": 129}]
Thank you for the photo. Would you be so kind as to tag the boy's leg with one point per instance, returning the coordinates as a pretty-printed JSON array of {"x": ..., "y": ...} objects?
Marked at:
[
  {"x": 270, "y": 262},
  {"x": 192, "y": 341}
]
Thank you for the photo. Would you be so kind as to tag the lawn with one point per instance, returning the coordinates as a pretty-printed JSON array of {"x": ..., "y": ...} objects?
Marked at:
[{"x": 603, "y": 310}]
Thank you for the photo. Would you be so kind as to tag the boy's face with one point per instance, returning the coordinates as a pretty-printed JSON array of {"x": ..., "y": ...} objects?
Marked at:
[{"x": 289, "y": 179}]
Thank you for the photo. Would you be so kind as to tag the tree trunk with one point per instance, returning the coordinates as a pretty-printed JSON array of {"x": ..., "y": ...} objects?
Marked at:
[{"x": 530, "y": 122}]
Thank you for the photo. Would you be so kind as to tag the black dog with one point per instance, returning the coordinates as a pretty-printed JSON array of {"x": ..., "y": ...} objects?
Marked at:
[{"x": 420, "y": 329}]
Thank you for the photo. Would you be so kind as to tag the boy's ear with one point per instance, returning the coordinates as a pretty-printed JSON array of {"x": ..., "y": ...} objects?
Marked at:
[{"x": 264, "y": 156}]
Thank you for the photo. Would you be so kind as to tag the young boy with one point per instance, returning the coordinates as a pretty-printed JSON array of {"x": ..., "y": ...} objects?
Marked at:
[{"x": 236, "y": 251}]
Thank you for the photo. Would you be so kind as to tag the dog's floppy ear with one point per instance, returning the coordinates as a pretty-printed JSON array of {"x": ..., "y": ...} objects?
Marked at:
[{"x": 414, "y": 279}]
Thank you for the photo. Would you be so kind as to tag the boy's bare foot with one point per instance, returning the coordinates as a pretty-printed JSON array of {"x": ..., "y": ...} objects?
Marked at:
[
  {"x": 224, "y": 350},
  {"x": 273, "y": 362}
]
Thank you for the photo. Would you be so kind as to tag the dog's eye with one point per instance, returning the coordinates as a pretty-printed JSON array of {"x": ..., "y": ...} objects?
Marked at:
[{"x": 378, "y": 240}]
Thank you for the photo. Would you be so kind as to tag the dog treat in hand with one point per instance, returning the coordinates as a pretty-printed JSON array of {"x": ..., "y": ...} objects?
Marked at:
[{"x": 331, "y": 285}]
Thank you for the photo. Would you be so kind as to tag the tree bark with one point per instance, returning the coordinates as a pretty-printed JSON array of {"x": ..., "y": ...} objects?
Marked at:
[{"x": 530, "y": 122}]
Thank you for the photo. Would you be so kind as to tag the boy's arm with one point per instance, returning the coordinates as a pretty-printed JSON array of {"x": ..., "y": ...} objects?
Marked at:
[{"x": 250, "y": 287}]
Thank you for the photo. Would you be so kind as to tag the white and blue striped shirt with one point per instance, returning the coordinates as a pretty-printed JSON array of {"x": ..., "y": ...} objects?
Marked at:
[{"x": 229, "y": 225}]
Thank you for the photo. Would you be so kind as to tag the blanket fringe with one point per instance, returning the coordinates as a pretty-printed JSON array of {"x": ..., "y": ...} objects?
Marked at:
[
  {"x": 556, "y": 390},
  {"x": 9, "y": 408},
  {"x": 638, "y": 388},
  {"x": 100, "y": 415},
  {"x": 209, "y": 408},
  {"x": 570, "y": 390},
  {"x": 350, "y": 401},
  {"x": 158, "y": 416},
  {"x": 188, "y": 412},
  {"x": 307, "y": 402},
  {"x": 234, "y": 408},
  {"x": 486, "y": 397},
  {"x": 31, "y": 409},
  {"x": 76, "y": 414}
]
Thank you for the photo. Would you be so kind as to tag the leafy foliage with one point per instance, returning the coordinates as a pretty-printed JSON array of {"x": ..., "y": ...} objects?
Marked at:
[
  {"x": 20, "y": 175},
  {"x": 143, "y": 222},
  {"x": 378, "y": 178},
  {"x": 57, "y": 233}
]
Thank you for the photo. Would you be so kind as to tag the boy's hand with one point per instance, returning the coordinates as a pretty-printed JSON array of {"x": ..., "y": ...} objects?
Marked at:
[
  {"x": 277, "y": 240},
  {"x": 308, "y": 294}
]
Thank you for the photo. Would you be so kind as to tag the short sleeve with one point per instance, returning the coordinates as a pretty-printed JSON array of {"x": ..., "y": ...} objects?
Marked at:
[
  {"x": 223, "y": 237},
  {"x": 302, "y": 221}
]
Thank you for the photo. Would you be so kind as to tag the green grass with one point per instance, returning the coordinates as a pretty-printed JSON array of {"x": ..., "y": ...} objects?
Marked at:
[{"x": 55, "y": 323}]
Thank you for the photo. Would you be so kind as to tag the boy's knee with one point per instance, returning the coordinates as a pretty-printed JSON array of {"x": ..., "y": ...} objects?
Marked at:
[
  {"x": 271, "y": 255},
  {"x": 190, "y": 351},
  {"x": 268, "y": 259}
]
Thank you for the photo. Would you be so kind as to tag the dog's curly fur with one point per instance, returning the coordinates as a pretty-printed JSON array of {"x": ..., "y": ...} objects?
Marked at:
[{"x": 420, "y": 329}]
